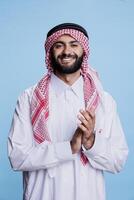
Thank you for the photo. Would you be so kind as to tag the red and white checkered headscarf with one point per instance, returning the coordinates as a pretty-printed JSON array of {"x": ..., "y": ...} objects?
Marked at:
[{"x": 40, "y": 100}]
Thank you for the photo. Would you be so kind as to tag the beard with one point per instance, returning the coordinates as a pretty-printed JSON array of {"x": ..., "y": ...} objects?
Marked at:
[{"x": 63, "y": 69}]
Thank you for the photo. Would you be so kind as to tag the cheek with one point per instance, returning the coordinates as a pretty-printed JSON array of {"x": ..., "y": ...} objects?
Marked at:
[
  {"x": 56, "y": 53},
  {"x": 79, "y": 51}
]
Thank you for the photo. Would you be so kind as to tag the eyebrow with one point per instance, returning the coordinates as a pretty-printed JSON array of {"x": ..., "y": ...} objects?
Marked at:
[{"x": 71, "y": 42}]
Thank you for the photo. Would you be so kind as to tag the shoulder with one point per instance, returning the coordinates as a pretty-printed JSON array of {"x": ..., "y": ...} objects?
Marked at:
[
  {"x": 27, "y": 94},
  {"x": 108, "y": 101}
]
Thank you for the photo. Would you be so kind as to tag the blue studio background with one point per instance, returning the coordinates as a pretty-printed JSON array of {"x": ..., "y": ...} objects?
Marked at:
[{"x": 23, "y": 27}]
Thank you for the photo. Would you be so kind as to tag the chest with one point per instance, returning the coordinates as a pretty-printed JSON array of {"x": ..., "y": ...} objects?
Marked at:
[{"x": 63, "y": 111}]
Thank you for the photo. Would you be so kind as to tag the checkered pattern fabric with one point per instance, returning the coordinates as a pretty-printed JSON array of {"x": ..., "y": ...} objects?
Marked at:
[{"x": 40, "y": 99}]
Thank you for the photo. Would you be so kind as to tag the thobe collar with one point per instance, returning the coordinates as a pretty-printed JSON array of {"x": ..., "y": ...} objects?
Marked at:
[{"x": 59, "y": 86}]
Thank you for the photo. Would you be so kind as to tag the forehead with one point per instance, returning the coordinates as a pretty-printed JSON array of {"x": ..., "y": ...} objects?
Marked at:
[{"x": 66, "y": 38}]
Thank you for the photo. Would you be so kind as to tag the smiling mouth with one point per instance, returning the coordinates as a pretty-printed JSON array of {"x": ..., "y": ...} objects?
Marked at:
[{"x": 67, "y": 60}]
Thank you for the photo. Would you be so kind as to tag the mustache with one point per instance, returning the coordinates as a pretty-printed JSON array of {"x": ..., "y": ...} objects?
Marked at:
[{"x": 64, "y": 55}]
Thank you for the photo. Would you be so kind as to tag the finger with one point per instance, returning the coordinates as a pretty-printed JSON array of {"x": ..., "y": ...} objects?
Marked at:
[
  {"x": 83, "y": 121},
  {"x": 86, "y": 132},
  {"x": 91, "y": 112},
  {"x": 85, "y": 114},
  {"x": 88, "y": 114},
  {"x": 89, "y": 125},
  {"x": 83, "y": 128}
]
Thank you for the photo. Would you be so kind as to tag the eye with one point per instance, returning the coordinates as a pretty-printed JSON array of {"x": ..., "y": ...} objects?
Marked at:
[
  {"x": 74, "y": 45},
  {"x": 58, "y": 45}
]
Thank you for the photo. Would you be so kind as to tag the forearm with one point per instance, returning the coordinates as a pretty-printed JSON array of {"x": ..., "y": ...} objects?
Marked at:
[
  {"x": 109, "y": 151},
  {"x": 24, "y": 153},
  {"x": 106, "y": 155},
  {"x": 38, "y": 157}
]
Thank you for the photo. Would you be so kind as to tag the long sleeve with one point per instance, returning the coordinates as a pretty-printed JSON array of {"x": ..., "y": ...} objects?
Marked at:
[
  {"x": 23, "y": 153},
  {"x": 110, "y": 150}
]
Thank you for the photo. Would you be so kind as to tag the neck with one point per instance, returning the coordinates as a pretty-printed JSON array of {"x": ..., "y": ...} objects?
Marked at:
[{"x": 68, "y": 78}]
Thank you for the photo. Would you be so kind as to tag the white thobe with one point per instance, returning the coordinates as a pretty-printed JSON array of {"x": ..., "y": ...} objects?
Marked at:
[{"x": 50, "y": 170}]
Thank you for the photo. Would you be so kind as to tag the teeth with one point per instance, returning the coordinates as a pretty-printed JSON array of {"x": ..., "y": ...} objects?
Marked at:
[{"x": 67, "y": 59}]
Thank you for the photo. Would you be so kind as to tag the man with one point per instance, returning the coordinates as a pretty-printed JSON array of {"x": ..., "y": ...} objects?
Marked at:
[{"x": 66, "y": 130}]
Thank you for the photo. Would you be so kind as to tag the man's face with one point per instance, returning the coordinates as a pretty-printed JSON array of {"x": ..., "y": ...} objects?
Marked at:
[{"x": 66, "y": 55}]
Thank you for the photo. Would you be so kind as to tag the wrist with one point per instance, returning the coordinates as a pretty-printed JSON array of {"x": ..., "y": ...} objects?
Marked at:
[
  {"x": 89, "y": 142},
  {"x": 74, "y": 147}
]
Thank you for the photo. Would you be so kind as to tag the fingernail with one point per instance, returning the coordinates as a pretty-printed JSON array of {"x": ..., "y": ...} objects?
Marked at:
[{"x": 81, "y": 110}]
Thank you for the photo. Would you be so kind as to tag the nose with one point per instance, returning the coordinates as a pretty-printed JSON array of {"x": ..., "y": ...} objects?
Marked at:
[{"x": 67, "y": 49}]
